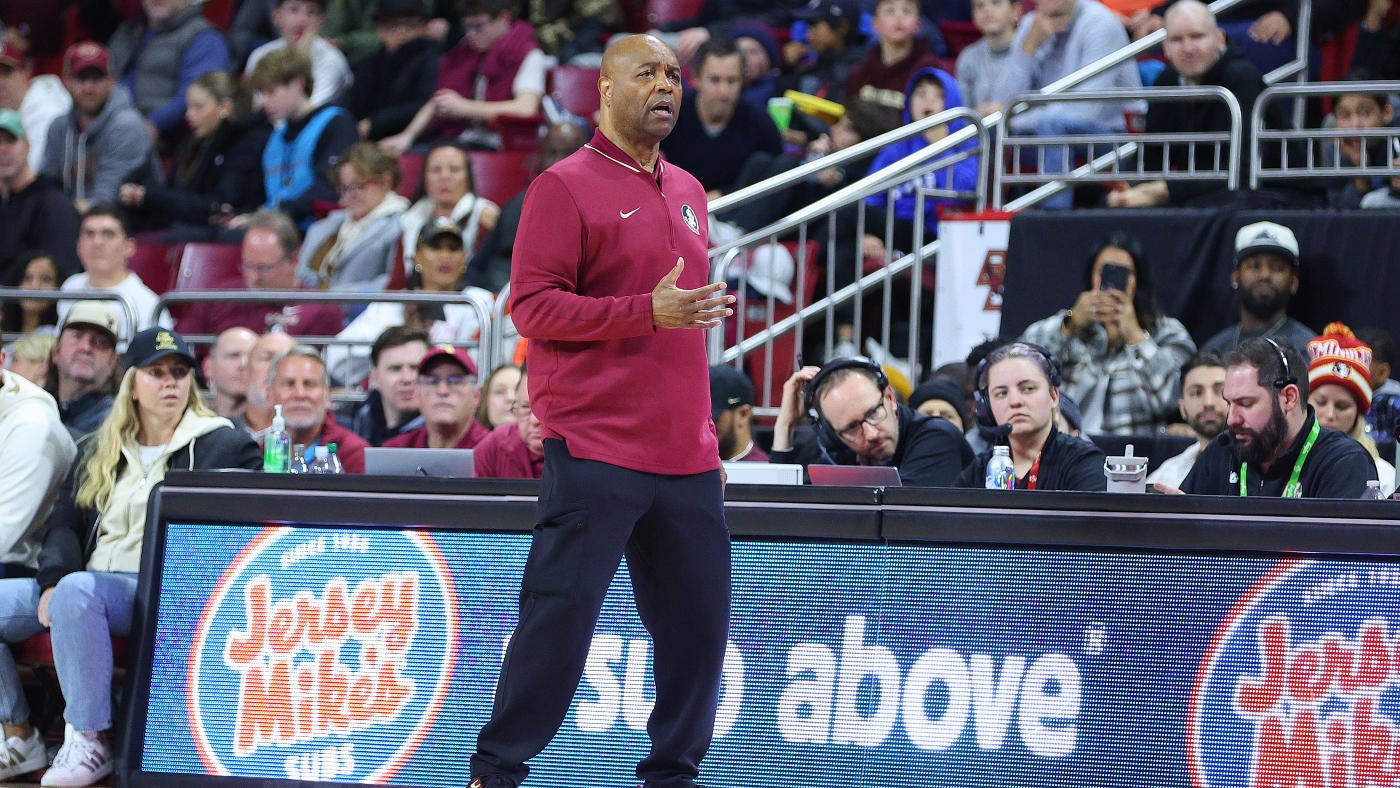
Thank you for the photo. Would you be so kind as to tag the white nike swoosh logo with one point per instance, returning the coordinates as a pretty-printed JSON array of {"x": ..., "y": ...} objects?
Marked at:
[{"x": 625, "y": 214}]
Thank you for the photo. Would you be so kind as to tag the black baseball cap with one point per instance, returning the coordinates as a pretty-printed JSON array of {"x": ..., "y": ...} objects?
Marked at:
[
  {"x": 729, "y": 388},
  {"x": 154, "y": 344}
]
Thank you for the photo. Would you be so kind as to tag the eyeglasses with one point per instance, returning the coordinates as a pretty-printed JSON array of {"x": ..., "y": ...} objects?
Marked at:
[
  {"x": 521, "y": 410},
  {"x": 264, "y": 268},
  {"x": 353, "y": 188},
  {"x": 873, "y": 417},
  {"x": 173, "y": 372},
  {"x": 453, "y": 381}
]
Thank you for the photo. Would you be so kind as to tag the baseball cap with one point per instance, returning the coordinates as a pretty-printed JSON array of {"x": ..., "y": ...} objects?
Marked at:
[
  {"x": 11, "y": 56},
  {"x": 399, "y": 9},
  {"x": 92, "y": 313},
  {"x": 729, "y": 388},
  {"x": 457, "y": 354},
  {"x": 154, "y": 344},
  {"x": 439, "y": 226},
  {"x": 11, "y": 121},
  {"x": 830, "y": 11},
  {"x": 1266, "y": 237},
  {"x": 86, "y": 55}
]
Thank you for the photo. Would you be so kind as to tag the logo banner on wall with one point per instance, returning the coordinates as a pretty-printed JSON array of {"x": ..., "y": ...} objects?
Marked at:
[
  {"x": 370, "y": 655},
  {"x": 971, "y": 268}
]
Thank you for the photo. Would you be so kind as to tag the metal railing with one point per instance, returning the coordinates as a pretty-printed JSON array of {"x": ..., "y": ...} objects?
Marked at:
[
  {"x": 1316, "y": 153},
  {"x": 128, "y": 312},
  {"x": 959, "y": 146},
  {"x": 1222, "y": 161},
  {"x": 480, "y": 305}
]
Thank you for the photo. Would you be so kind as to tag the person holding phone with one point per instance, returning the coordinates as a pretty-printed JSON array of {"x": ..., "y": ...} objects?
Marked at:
[{"x": 1121, "y": 356}]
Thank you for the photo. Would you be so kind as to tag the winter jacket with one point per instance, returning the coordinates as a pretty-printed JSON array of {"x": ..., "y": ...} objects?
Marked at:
[
  {"x": 364, "y": 263},
  {"x": 93, "y": 162},
  {"x": 35, "y": 452},
  {"x": 960, "y": 177},
  {"x": 80, "y": 538},
  {"x": 225, "y": 176},
  {"x": 390, "y": 87}
]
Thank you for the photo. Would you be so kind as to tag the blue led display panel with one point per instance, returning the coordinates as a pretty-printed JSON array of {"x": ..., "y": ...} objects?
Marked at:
[{"x": 370, "y": 655}]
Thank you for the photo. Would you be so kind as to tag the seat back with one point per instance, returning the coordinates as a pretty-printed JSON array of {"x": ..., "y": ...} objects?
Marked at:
[
  {"x": 205, "y": 266},
  {"x": 154, "y": 263},
  {"x": 576, "y": 89},
  {"x": 500, "y": 175}
]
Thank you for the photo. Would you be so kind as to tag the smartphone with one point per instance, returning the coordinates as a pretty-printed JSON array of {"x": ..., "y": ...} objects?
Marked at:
[{"x": 1114, "y": 277}]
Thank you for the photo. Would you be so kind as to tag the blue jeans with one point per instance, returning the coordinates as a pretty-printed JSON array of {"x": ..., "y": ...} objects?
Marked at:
[
  {"x": 87, "y": 609},
  {"x": 1054, "y": 124}
]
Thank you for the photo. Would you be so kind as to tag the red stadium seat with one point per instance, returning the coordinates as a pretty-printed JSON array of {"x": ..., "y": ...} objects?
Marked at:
[
  {"x": 957, "y": 35},
  {"x": 410, "y": 173},
  {"x": 500, "y": 175},
  {"x": 576, "y": 89},
  {"x": 155, "y": 264},
  {"x": 660, "y": 12},
  {"x": 519, "y": 132},
  {"x": 219, "y": 12},
  {"x": 210, "y": 267}
]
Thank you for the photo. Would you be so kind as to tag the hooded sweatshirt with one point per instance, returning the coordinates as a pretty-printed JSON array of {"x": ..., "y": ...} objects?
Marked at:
[
  {"x": 92, "y": 163},
  {"x": 959, "y": 177},
  {"x": 110, "y": 540},
  {"x": 35, "y": 452}
]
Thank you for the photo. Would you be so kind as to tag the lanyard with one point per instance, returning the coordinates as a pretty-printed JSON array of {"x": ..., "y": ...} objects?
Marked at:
[
  {"x": 1293, "y": 489},
  {"x": 1033, "y": 475}
]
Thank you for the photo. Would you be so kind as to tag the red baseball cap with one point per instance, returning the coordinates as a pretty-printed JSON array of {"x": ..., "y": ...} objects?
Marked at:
[
  {"x": 457, "y": 354},
  {"x": 86, "y": 55}
]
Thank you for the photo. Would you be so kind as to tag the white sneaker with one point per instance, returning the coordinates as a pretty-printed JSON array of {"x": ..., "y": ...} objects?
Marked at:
[
  {"x": 22, "y": 756},
  {"x": 83, "y": 760}
]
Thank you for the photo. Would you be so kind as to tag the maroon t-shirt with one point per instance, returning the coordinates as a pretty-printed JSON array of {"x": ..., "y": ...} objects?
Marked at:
[
  {"x": 886, "y": 83},
  {"x": 299, "y": 320},
  {"x": 418, "y": 438},
  {"x": 597, "y": 234},
  {"x": 503, "y": 455}
]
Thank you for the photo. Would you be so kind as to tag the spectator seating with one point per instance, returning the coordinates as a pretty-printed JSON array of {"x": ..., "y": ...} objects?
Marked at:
[
  {"x": 155, "y": 264},
  {"x": 206, "y": 266},
  {"x": 576, "y": 90},
  {"x": 659, "y": 12},
  {"x": 410, "y": 173},
  {"x": 500, "y": 175}
]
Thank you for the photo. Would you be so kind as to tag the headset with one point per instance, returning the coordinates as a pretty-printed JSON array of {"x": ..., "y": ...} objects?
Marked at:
[
  {"x": 1286, "y": 377},
  {"x": 826, "y": 436},
  {"x": 1054, "y": 373}
]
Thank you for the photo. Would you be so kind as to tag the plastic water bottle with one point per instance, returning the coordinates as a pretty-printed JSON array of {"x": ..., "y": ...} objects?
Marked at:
[
  {"x": 299, "y": 459},
  {"x": 1001, "y": 473},
  {"x": 277, "y": 446},
  {"x": 1373, "y": 491},
  {"x": 334, "y": 460},
  {"x": 322, "y": 462}
]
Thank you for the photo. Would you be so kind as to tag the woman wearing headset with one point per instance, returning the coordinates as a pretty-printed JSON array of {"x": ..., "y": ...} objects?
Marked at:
[{"x": 1018, "y": 387}]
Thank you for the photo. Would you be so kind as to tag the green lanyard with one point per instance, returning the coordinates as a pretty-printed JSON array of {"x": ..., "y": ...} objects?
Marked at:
[{"x": 1293, "y": 489}]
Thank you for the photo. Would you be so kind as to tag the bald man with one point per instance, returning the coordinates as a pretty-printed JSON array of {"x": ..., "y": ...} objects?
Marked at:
[
  {"x": 1197, "y": 55},
  {"x": 226, "y": 370},
  {"x": 613, "y": 293}
]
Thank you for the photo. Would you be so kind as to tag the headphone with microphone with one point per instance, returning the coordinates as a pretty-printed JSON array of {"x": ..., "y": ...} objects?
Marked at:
[
  {"x": 1054, "y": 373},
  {"x": 1286, "y": 376},
  {"x": 826, "y": 435}
]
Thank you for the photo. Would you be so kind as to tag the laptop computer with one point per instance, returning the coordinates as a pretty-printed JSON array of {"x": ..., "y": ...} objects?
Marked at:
[
  {"x": 763, "y": 473},
  {"x": 448, "y": 463},
  {"x": 854, "y": 475}
]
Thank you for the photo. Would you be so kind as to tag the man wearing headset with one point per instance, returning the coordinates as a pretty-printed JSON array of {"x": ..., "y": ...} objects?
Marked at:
[
  {"x": 1273, "y": 444},
  {"x": 850, "y": 404}
]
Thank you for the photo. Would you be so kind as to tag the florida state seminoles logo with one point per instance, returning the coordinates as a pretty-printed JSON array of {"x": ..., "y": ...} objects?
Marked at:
[
  {"x": 323, "y": 655},
  {"x": 1301, "y": 684}
]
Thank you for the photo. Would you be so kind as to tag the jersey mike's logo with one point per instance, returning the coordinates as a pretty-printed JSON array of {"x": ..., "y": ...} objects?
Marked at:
[
  {"x": 323, "y": 655},
  {"x": 1300, "y": 686}
]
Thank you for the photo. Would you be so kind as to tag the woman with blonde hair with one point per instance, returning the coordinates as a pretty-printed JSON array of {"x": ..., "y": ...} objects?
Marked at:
[
  {"x": 86, "y": 585},
  {"x": 352, "y": 248}
]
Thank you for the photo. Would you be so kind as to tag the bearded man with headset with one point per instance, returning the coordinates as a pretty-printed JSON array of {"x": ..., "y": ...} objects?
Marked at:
[{"x": 858, "y": 421}]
